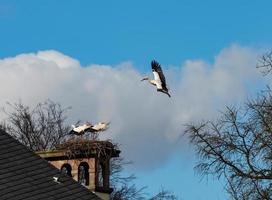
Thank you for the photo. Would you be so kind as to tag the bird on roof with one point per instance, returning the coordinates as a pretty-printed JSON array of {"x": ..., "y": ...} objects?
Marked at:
[
  {"x": 159, "y": 79},
  {"x": 56, "y": 179},
  {"x": 88, "y": 127}
]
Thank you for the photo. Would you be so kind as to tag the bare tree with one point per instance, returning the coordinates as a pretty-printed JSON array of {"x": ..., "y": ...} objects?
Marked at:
[
  {"x": 125, "y": 189},
  {"x": 117, "y": 167},
  {"x": 123, "y": 186},
  {"x": 238, "y": 147},
  {"x": 40, "y": 128},
  {"x": 128, "y": 192},
  {"x": 44, "y": 127},
  {"x": 265, "y": 63},
  {"x": 164, "y": 195}
]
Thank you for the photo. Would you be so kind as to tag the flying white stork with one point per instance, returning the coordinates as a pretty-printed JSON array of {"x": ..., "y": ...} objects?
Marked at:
[
  {"x": 88, "y": 127},
  {"x": 159, "y": 79}
]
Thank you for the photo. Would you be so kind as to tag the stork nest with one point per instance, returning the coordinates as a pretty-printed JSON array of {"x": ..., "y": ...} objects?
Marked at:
[{"x": 79, "y": 147}]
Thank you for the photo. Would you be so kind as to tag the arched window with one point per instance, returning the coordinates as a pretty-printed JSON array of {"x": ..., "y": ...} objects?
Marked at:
[
  {"x": 66, "y": 169},
  {"x": 100, "y": 175},
  {"x": 83, "y": 173}
]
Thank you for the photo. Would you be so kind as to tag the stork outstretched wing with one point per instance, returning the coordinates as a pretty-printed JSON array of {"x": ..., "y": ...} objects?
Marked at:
[{"x": 158, "y": 74}]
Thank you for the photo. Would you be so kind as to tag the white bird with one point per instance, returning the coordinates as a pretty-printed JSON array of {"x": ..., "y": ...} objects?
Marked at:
[
  {"x": 87, "y": 127},
  {"x": 56, "y": 179},
  {"x": 80, "y": 130},
  {"x": 159, "y": 79},
  {"x": 101, "y": 126}
]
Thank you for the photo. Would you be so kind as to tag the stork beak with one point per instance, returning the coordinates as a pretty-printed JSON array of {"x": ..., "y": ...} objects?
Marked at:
[{"x": 145, "y": 78}]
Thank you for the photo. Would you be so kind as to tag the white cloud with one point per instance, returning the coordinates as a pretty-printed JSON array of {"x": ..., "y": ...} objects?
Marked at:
[
  {"x": 147, "y": 124},
  {"x": 58, "y": 58}
]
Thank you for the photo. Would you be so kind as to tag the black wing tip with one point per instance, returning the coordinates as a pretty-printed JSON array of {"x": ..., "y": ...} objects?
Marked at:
[
  {"x": 155, "y": 65},
  {"x": 165, "y": 92},
  {"x": 168, "y": 94},
  {"x": 154, "y": 62}
]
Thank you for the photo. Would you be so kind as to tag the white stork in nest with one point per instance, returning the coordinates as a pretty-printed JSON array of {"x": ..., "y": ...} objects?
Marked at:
[
  {"x": 101, "y": 126},
  {"x": 88, "y": 127},
  {"x": 159, "y": 79}
]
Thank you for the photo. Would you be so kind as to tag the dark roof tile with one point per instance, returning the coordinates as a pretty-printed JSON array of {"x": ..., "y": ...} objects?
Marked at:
[{"x": 26, "y": 176}]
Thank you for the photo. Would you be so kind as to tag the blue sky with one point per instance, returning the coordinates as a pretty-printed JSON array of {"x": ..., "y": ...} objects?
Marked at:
[
  {"x": 113, "y": 32},
  {"x": 110, "y": 32}
]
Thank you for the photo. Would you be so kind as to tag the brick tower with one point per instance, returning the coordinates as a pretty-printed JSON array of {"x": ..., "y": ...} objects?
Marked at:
[{"x": 87, "y": 161}]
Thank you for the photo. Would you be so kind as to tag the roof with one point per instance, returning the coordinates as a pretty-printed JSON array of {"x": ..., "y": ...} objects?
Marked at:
[{"x": 24, "y": 175}]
